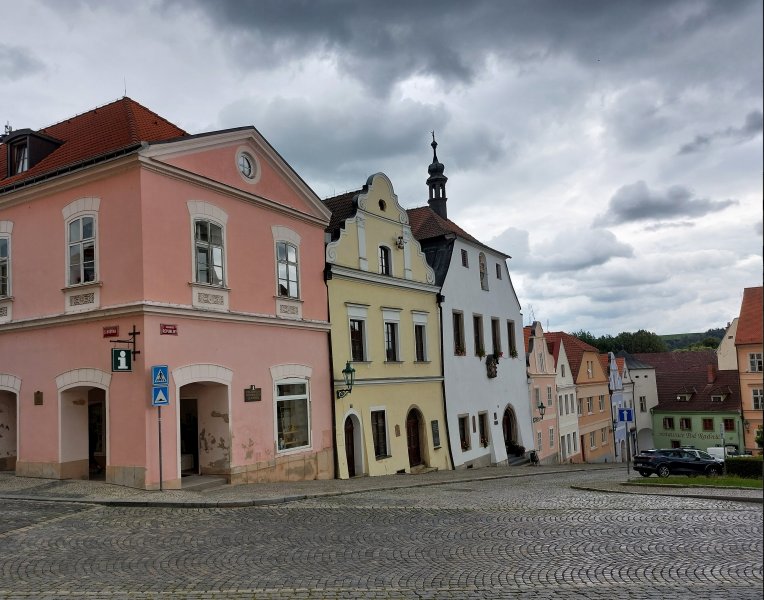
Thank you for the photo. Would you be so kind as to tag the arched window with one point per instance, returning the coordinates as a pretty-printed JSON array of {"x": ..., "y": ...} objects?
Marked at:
[
  {"x": 384, "y": 260},
  {"x": 483, "y": 272},
  {"x": 81, "y": 256}
]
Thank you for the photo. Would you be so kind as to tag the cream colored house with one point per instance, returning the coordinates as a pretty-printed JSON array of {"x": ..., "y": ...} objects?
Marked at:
[{"x": 386, "y": 326}]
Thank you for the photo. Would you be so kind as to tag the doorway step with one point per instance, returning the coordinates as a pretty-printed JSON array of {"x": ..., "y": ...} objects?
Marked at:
[
  {"x": 421, "y": 469},
  {"x": 199, "y": 483}
]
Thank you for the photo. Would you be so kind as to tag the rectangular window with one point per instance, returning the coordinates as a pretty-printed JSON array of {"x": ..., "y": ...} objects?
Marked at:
[
  {"x": 498, "y": 270},
  {"x": 642, "y": 404},
  {"x": 729, "y": 424},
  {"x": 754, "y": 362},
  {"x": 286, "y": 257},
  {"x": 668, "y": 423},
  {"x": 539, "y": 440},
  {"x": 81, "y": 257},
  {"x": 483, "y": 428},
  {"x": 567, "y": 442},
  {"x": 379, "y": 433},
  {"x": 757, "y": 395},
  {"x": 592, "y": 440},
  {"x": 708, "y": 424},
  {"x": 496, "y": 336},
  {"x": 391, "y": 342},
  {"x": 559, "y": 402},
  {"x": 536, "y": 396},
  {"x": 420, "y": 338},
  {"x": 4, "y": 267},
  {"x": 551, "y": 437},
  {"x": 562, "y": 370},
  {"x": 384, "y": 260},
  {"x": 580, "y": 407},
  {"x": 465, "y": 259},
  {"x": 357, "y": 340},
  {"x": 19, "y": 158},
  {"x": 208, "y": 240},
  {"x": 464, "y": 432},
  {"x": 602, "y": 403},
  {"x": 549, "y": 395},
  {"x": 483, "y": 268},
  {"x": 685, "y": 424},
  {"x": 603, "y": 435},
  {"x": 575, "y": 441},
  {"x": 477, "y": 333},
  {"x": 589, "y": 404},
  {"x": 459, "y": 346},
  {"x": 511, "y": 338},
  {"x": 292, "y": 415}
]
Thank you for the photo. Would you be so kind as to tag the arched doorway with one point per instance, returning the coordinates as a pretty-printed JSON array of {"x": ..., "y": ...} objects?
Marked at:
[
  {"x": 8, "y": 434},
  {"x": 84, "y": 441},
  {"x": 413, "y": 437},
  {"x": 204, "y": 429},
  {"x": 509, "y": 427},
  {"x": 350, "y": 446}
]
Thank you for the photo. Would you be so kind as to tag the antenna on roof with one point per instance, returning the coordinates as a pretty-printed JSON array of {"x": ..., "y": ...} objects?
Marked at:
[
  {"x": 8, "y": 128},
  {"x": 124, "y": 80}
]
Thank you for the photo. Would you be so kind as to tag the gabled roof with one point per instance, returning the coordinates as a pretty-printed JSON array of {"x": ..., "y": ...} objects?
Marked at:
[
  {"x": 94, "y": 135},
  {"x": 574, "y": 349},
  {"x": 689, "y": 373},
  {"x": 526, "y": 336},
  {"x": 632, "y": 362},
  {"x": 343, "y": 207},
  {"x": 749, "y": 327}
]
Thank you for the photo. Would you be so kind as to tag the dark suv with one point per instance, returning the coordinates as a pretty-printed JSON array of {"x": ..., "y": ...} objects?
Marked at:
[{"x": 674, "y": 462}]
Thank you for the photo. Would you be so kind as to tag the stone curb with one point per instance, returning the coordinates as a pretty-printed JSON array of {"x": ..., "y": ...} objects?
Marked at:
[
  {"x": 749, "y": 499},
  {"x": 145, "y": 503}
]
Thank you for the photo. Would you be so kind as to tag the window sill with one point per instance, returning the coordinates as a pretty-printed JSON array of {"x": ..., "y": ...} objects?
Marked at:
[
  {"x": 289, "y": 299},
  {"x": 393, "y": 362},
  {"x": 383, "y": 456},
  {"x": 210, "y": 286},
  {"x": 79, "y": 286},
  {"x": 294, "y": 450},
  {"x": 422, "y": 362}
]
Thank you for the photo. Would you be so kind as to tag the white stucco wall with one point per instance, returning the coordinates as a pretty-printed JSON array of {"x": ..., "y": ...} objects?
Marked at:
[
  {"x": 644, "y": 385},
  {"x": 568, "y": 421},
  {"x": 726, "y": 353},
  {"x": 468, "y": 388}
]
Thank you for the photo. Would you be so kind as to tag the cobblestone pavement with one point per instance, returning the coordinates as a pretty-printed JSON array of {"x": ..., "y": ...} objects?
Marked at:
[{"x": 524, "y": 537}]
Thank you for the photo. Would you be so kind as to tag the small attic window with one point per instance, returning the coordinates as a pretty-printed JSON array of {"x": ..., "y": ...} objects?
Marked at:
[
  {"x": 382, "y": 205},
  {"x": 19, "y": 157},
  {"x": 683, "y": 397},
  {"x": 717, "y": 398}
]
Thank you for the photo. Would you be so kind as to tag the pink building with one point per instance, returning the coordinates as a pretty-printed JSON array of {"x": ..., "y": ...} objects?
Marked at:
[{"x": 211, "y": 248}]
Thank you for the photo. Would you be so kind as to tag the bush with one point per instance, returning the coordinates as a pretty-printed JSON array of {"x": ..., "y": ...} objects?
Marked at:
[{"x": 744, "y": 466}]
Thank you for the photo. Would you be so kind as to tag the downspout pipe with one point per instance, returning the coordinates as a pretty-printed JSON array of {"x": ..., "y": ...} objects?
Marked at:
[{"x": 440, "y": 298}]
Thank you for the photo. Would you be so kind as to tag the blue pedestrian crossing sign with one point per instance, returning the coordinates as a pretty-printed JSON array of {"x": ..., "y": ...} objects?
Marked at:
[
  {"x": 160, "y": 391},
  {"x": 626, "y": 414},
  {"x": 160, "y": 396},
  {"x": 159, "y": 375}
]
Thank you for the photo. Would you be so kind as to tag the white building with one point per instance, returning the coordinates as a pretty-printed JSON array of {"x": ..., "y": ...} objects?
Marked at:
[
  {"x": 645, "y": 390},
  {"x": 566, "y": 403},
  {"x": 484, "y": 368}
]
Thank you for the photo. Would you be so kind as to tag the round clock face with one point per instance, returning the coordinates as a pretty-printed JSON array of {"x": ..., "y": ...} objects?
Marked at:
[{"x": 246, "y": 166}]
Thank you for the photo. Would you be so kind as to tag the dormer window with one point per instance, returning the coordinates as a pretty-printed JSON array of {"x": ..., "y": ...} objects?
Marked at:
[
  {"x": 717, "y": 398},
  {"x": 683, "y": 397},
  {"x": 19, "y": 157}
]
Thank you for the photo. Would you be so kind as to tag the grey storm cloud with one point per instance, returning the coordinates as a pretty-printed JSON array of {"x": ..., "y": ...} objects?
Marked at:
[
  {"x": 16, "y": 62},
  {"x": 381, "y": 43},
  {"x": 752, "y": 126},
  {"x": 637, "y": 202},
  {"x": 566, "y": 252}
]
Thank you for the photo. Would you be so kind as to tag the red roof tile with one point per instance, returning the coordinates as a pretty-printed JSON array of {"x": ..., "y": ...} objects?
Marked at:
[
  {"x": 526, "y": 336},
  {"x": 574, "y": 349},
  {"x": 426, "y": 223},
  {"x": 343, "y": 207},
  {"x": 749, "y": 325},
  {"x": 121, "y": 125}
]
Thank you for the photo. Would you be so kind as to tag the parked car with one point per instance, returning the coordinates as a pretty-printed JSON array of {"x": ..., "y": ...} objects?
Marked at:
[
  {"x": 703, "y": 454},
  {"x": 675, "y": 461}
]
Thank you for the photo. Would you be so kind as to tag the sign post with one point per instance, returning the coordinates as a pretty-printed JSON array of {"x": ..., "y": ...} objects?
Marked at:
[
  {"x": 626, "y": 415},
  {"x": 160, "y": 396}
]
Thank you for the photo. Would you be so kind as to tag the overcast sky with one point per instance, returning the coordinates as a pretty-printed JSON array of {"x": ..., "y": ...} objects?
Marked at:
[{"x": 613, "y": 149}]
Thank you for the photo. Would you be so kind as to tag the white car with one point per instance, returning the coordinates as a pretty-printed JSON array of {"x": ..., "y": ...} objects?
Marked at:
[{"x": 702, "y": 454}]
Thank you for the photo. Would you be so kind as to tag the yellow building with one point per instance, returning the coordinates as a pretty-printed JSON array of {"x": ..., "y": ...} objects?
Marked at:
[{"x": 385, "y": 317}]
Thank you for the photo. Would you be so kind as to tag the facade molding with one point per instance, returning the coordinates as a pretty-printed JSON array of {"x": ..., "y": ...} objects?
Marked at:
[
  {"x": 79, "y": 377},
  {"x": 202, "y": 372},
  {"x": 10, "y": 383},
  {"x": 386, "y": 280}
]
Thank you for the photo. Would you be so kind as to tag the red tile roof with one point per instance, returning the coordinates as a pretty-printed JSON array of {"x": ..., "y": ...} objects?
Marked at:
[
  {"x": 574, "y": 349},
  {"x": 426, "y": 223},
  {"x": 678, "y": 373},
  {"x": 343, "y": 207},
  {"x": 100, "y": 132},
  {"x": 526, "y": 336},
  {"x": 749, "y": 325}
]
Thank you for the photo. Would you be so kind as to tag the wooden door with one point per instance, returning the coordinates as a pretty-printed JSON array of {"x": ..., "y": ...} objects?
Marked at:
[
  {"x": 412, "y": 436},
  {"x": 350, "y": 446}
]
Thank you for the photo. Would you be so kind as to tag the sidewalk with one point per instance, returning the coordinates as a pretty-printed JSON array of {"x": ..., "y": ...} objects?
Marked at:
[{"x": 259, "y": 494}]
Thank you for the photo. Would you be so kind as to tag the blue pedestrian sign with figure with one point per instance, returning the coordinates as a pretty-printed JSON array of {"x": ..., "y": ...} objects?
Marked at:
[
  {"x": 160, "y": 393},
  {"x": 626, "y": 414}
]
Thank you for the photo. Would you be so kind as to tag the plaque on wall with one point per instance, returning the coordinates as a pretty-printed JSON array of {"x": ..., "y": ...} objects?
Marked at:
[
  {"x": 253, "y": 394},
  {"x": 435, "y": 433}
]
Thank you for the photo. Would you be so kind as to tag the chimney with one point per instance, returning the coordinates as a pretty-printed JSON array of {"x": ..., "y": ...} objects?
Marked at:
[{"x": 711, "y": 373}]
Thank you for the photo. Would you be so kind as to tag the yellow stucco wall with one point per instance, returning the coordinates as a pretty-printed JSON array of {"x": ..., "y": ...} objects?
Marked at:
[{"x": 403, "y": 385}]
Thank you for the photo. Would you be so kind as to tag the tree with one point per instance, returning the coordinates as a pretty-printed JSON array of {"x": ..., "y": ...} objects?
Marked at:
[{"x": 586, "y": 336}]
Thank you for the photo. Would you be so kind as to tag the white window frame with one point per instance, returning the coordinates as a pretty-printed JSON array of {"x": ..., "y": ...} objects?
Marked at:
[
  {"x": 466, "y": 444},
  {"x": 287, "y": 263},
  {"x": 592, "y": 440},
  {"x": 551, "y": 437},
  {"x": 383, "y": 410},
  {"x": 643, "y": 404},
  {"x": 590, "y": 405},
  {"x": 420, "y": 320},
  {"x": 603, "y": 435},
  {"x": 277, "y": 399},
  {"x": 575, "y": 441},
  {"x": 80, "y": 217},
  {"x": 539, "y": 440},
  {"x": 602, "y": 403},
  {"x": 549, "y": 398},
  {"x": 392, "y": 317},
  {"x": 210, "y": 246},
  {"x": 358, "y": 312},
  {"x": 83, "y": 296},
  {"x": 559, "y": 402},
  {"x": 7, "y": 260},
  {"x": 483, "y": 270},
  {"x": 389, "y": 259},
  {"x": 754, "y": 362},
  {"x": 757, "y": 398}
]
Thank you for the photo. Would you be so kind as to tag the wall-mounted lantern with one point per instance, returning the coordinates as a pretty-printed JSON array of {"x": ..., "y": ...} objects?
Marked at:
[
  {"x": 348, "y": 374},
  {"x": 542, "y": 409}
]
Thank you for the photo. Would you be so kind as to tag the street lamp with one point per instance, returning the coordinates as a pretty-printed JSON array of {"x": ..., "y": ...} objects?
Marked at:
[
  {"x": 542, "y": 409},
  {"x": 348, "y": 374}
]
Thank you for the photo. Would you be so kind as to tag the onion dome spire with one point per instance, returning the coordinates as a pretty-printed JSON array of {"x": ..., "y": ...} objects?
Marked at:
[{"x": 436, "y": 182}]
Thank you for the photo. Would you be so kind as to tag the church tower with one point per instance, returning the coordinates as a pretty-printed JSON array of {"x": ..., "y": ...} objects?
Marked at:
[{"x": 437, "y": 183}]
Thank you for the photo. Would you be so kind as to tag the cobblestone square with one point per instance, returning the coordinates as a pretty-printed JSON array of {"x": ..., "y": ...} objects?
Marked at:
[{"x": 527, "y": 537}]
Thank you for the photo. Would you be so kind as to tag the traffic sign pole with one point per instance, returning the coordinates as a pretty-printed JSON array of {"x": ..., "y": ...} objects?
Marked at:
[
  {"x": 160, "y": 396},
  {"x": 159, "y": 420}
]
